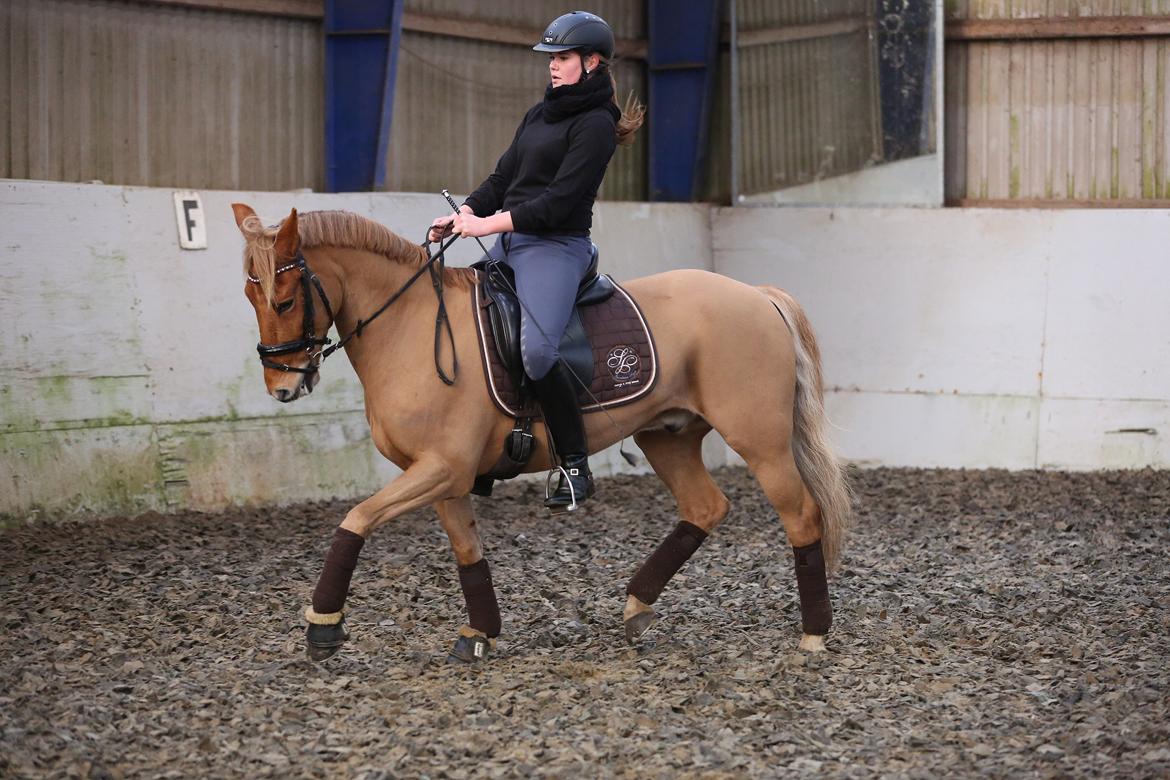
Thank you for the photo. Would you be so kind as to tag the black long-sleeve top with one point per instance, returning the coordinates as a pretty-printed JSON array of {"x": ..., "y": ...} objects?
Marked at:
[{"x": 549, "y": 177}]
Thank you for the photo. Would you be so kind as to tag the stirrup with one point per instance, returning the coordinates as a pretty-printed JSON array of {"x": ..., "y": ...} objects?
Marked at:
[{"x": 564, "y": 475}]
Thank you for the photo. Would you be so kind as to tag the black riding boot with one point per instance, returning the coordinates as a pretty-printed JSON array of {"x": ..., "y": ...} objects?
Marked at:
[{"x": 557, "y": 393}]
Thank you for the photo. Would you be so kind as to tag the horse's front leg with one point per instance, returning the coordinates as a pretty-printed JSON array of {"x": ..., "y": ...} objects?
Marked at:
[
  {"x": 425, "y": 482},
  {"x": 478, "y": 637}
]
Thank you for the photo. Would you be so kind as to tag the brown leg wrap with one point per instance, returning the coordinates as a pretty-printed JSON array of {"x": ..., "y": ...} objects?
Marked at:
[
  {"x": 662, "y": 564},
  {"x": 340, "y": 561},
  {"x": 483, "y": 613},
  {"x": 816, "y": 613}
]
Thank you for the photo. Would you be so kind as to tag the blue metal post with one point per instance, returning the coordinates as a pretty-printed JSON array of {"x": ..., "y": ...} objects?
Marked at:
[
  {"x": 683, "y": 54},
  {"x": 361, "y": 58}
]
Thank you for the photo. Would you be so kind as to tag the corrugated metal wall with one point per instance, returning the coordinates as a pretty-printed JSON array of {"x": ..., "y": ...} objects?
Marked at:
[
  {"x": 457, "y": 102},
  {"x": 134, "y": 93},
  {"x": 1085, "y": 119},
  {"x": 808, "y": 108},
  {"x": 129, "y": 93}
]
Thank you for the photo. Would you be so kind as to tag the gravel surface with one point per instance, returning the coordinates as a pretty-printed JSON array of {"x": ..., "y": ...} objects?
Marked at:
[{"x": 987, "y": 623}]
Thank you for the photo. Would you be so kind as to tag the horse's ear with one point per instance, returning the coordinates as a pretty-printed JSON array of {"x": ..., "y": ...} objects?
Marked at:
[
  {"x": 287, "y": 237},
  {"x": 242, "y": 212}
]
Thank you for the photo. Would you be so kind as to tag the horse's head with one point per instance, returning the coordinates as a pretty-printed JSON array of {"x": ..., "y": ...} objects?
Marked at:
[{"x": 290, "y": 303}]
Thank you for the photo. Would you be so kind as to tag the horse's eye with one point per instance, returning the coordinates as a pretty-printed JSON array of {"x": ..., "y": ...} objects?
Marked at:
[{"x": 284, "y": 306}]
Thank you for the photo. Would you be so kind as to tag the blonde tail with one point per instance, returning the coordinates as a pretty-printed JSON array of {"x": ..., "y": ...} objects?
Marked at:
[{"x": 823, "y": 474}]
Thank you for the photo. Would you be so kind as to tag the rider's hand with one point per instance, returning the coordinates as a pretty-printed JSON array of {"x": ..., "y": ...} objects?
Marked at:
[
  {"x": 441, "y": 228},
  {"x": 468, "y": 226}
]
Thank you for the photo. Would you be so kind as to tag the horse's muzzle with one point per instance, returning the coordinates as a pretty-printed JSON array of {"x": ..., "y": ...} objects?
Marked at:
[{"x": 303, "y": 387}]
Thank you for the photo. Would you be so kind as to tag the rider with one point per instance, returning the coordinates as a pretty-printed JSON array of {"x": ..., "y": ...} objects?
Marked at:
[{"x": 544, "y": 186}]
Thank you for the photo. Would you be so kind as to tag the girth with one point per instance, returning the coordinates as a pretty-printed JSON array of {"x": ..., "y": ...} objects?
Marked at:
[{"x": 504, "y": 313}]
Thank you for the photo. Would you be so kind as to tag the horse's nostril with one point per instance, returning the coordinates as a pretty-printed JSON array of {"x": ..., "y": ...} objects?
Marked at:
[{"x": 283, "y": 395}]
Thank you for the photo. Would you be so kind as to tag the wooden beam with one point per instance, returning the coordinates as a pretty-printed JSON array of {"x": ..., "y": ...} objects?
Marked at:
[
  {"x": 499, "y": 33},
  {"x": 799, "y": 32},
  {"x": 1058, "y": 28},
  {"x": 301, "y": 9},
  {"x": 1054, "y": 203},
  {"x": 431, "y": 24}
]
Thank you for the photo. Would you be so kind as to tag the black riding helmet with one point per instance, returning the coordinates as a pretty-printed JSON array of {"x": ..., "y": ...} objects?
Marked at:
[{"x": 578, "y": 30}]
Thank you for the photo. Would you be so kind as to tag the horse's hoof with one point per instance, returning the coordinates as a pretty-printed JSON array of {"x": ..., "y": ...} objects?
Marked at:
[
  {"x": 323, "y": 641},
  {"x": 320, "y": 653},
  {"x": 638, "y": 625},
  {"x": 812, "y": 643},
  {"x": 470, "y": 647}
]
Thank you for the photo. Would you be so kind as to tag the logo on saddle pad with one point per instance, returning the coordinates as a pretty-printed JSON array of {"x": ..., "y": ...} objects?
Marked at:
[{"x": 623, "y": 364}]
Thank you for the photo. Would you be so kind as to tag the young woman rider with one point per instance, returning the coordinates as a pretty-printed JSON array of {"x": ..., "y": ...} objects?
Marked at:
[{"x": 543, "y": 189}]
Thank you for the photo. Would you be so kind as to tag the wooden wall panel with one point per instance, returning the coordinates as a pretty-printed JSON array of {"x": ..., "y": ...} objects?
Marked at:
[
  {"x": 1081, "y": 120},
  {"x": 1062, "y": 118},
  {"x": 132, "y": 93}
]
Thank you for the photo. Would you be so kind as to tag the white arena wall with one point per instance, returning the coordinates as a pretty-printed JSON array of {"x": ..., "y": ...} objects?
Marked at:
[
  {"x": 951, "y": 337},
  {"x": 131, "y": 379},
  {"x": 975, "y": 338}
]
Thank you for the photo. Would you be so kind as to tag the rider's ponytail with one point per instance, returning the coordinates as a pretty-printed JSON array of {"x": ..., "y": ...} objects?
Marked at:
[{"x": 633, "y": 114}]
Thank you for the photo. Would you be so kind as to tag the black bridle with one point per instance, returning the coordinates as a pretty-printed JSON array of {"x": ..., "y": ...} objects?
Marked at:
[{"x": 309, "y": 340}]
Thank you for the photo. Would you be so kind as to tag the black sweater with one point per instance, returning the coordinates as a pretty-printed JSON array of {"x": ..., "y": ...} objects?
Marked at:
[{"x": 548, "y": 178}]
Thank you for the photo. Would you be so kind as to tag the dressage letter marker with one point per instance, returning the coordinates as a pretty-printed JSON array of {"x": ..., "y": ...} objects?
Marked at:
[{"x": 189, "y": 214}]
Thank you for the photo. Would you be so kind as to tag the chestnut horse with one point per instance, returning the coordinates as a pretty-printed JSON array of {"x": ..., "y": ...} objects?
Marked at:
[{"x": 738, "y": 359}]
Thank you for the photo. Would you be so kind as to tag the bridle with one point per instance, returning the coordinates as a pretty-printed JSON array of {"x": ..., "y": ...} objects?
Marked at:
[
  {"x": 308, "y": 339},
  {"x": 324, "y": 346}
]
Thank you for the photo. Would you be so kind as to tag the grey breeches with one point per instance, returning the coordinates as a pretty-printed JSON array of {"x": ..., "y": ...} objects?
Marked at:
[{"x": 548, "y": 270}]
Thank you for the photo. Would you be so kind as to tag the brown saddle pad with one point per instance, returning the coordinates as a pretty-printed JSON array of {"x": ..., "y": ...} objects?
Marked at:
[{"x": 625, "y": 361}]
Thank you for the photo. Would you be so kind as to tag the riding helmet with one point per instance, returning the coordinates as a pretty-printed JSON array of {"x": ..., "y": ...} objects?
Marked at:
[{"x": 578, "y": 30}]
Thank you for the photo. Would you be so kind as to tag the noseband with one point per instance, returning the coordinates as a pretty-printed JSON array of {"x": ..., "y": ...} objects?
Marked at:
[{"x": 308, "y": 340}]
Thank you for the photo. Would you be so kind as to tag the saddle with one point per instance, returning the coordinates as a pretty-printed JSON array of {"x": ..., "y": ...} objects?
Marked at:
[
  {"x": 499, "y": 281},
  {"x": 607, "y": 345}
]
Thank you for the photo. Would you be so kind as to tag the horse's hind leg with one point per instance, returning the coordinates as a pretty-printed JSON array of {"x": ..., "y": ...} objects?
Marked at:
[
  {"x": 786, "y": 491},
  {"x": 761, "y": 428},
  {"x": 677, "y": 458}
]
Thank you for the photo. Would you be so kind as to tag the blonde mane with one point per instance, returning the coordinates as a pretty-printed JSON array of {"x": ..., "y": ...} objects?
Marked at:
[{"x": 337, "y": 229}]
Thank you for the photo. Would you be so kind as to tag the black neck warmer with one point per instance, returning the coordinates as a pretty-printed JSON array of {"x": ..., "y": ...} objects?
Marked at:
[{"x": 570, "y": 99}]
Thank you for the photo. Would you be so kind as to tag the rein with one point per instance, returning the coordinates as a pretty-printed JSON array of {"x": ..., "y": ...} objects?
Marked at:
[{"x": 310, "y": 282}]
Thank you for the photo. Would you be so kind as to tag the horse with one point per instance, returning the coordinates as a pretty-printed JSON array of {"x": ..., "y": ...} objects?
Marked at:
[{"x": 734, "y": 358}]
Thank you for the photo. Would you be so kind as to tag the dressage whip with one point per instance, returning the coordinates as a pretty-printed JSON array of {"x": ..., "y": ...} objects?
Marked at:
[{"x": 630, "y": 458}]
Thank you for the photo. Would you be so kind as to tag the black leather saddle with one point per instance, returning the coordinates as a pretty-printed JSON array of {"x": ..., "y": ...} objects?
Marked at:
[{"x": 499, "y": 281}]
